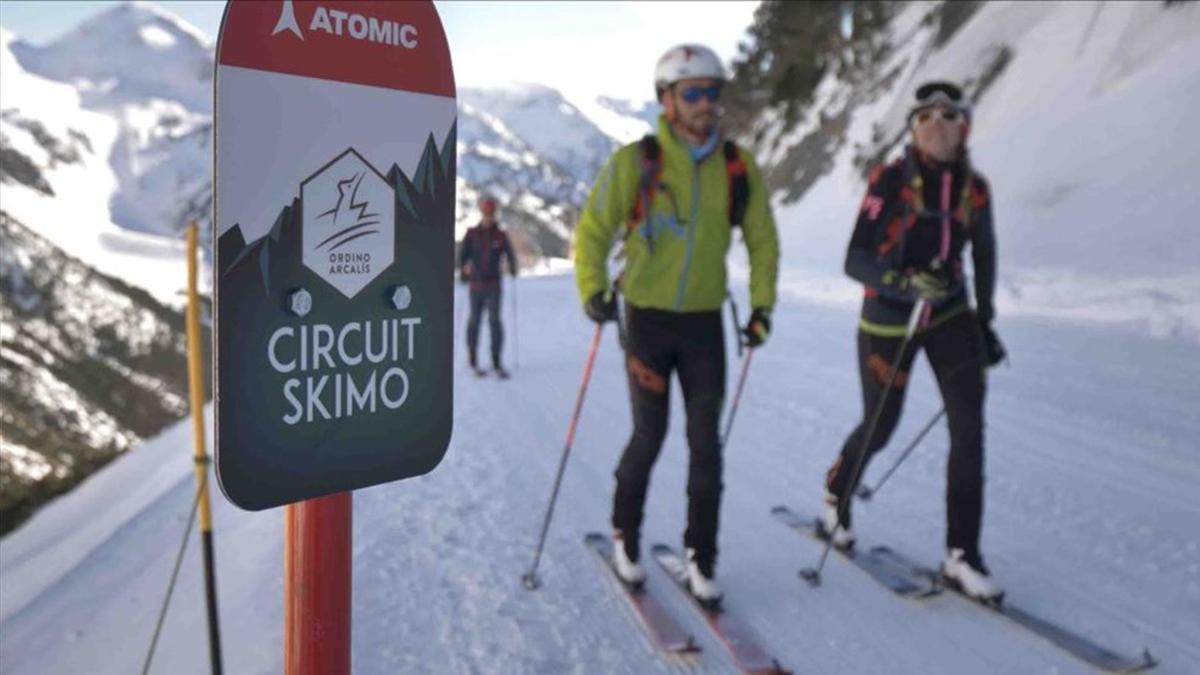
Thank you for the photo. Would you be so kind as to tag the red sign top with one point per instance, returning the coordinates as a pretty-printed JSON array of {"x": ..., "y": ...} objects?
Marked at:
[{"x": 397, "y": 45}]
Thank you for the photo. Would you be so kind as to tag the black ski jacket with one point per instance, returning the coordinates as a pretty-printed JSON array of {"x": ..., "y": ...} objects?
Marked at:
[
  {"x": 482, "y": 247},
  {"x": 917, "y": 211}
]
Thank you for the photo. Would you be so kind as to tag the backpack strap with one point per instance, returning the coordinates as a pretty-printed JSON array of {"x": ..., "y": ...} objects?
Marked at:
[
  {"x": 739, "y": 184},
  {"x": 650, "y": 155}
]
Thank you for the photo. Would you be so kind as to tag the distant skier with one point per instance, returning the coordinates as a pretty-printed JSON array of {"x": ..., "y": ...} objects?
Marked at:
[
  {"x": 670, "y": 199},
  {"x": 918, "y": 215},
  {"x": 479, "y": 265}
]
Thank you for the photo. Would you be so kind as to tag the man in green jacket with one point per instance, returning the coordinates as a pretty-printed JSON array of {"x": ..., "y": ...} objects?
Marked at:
[{"x": 669, "y": 200}]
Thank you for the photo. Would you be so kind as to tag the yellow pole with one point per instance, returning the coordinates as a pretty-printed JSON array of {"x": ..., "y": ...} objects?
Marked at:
[{"x": 196, "y": 386}]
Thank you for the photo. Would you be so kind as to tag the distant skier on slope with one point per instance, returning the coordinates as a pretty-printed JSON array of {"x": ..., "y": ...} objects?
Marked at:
[
  {"x": 669, "y": 199},
  {"x": 918, "y": 215},
  {"x": 479, "y": 266}
]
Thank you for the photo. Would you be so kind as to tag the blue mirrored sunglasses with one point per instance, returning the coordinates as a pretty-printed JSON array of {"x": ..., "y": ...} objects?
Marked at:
[{"x": 692, "y": 95}]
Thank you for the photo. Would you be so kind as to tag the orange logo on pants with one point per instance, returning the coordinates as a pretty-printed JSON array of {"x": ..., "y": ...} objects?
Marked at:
[
  {"x": 882, "y": 370},
  {"x": 646, "y": 377}
]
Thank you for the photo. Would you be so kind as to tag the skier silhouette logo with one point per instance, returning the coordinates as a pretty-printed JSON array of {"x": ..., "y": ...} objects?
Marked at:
[
  {"x": 287, "y": 20},
  {"x": 355, "y": 210},
  {"x": 348, "y": 221}
]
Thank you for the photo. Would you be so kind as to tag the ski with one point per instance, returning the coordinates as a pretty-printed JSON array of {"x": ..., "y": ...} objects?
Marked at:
[
  {"x": 735, "y": 635},
  {"x": 1077, "y": 645},
  {"x": 880, "y": 562},
  {"x": 666, "y": 633}
]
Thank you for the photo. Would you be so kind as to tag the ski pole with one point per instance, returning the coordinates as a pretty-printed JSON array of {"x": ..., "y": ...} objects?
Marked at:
[
  {"x": 813, "y": 574},
  {"x": 530, "y": 579},
  {"x": 865, "y": 492},
  {"x": 516, "y": 332},
  {"x": 737, "y": 396}
]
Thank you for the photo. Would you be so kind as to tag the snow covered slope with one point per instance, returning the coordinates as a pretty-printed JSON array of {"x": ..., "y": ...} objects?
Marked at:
[
  {"x": 57, "y": 179},
  {"x": 122, "y": 150},
  {"x": 1084, "y": 128},
  {"x": 89, "y": 366},
  {"x": 1091, "y": 513}
]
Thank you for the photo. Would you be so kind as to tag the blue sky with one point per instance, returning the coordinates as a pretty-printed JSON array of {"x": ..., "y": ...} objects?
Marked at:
[{"x": 585, "y": 48}]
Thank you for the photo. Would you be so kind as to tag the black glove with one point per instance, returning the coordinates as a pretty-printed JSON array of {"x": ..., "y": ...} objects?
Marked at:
[
  {"x": 601, "y": 307},
  {"x": 758, "y": 328},
  {"x": 464, "y": 273},
  {"x": 993, "y": 349}
]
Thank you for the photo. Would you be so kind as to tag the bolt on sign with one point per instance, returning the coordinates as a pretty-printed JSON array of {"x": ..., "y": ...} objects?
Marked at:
[{"x": 334, "y": 214}]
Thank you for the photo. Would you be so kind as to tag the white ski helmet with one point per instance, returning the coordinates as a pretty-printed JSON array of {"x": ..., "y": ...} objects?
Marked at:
[{"x": 685, "y": 62}]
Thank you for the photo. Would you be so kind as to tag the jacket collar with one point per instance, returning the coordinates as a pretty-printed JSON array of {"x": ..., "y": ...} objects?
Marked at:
[{"x": 668, "y": 139}]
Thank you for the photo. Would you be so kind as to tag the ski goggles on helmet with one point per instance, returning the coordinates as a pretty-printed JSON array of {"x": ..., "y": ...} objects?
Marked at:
[
  {"x": 692, "y": 95},
  {"x": 927, "y": 115},
  {"x": 944, "y": 95}
]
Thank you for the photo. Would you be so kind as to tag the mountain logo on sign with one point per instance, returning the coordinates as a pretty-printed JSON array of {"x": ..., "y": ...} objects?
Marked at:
[
  {"x": 348, "y": 223},
  {"x": 357, "y": 26}
]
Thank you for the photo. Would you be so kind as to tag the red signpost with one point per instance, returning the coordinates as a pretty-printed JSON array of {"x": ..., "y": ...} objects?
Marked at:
[
  {"x": 317, "y": 100},
  {"x": 317, "y": 582}
]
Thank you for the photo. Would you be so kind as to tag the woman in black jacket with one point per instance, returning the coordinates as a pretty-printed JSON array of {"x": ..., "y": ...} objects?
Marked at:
[{"x": 920, "y": 213}]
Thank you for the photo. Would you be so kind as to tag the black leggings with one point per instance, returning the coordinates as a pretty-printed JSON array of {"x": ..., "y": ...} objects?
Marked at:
[
  {"x": 955, "y": 351},
  {"x": 486, "y": 299},
  {"x": 693, "y": 345}
]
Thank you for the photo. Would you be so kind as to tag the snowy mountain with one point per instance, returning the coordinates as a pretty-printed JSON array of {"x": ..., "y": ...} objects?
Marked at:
[
  {"x": 105, "y": 160},
  {"x": 146, "y": 136},
  {"x": 162, "y": 153},
  {"x": 537, "y": 152},
  {"x": 89, "y": 366},
  {"x": 1082, "y": 125}
]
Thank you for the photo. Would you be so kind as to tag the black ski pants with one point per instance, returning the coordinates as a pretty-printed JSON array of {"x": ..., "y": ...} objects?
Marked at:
[
  {"x": 955, "y": 351},
  {"x": 691, "y": 344},
  {"x": 485, "y": 299}
]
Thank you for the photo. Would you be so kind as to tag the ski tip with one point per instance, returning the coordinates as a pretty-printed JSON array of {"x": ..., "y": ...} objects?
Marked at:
[
  {"x": 591, "y": 537},
  {"x": 779, "y": 508}
]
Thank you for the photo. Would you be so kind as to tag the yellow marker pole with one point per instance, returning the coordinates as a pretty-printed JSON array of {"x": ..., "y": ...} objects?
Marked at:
[{"x": 196, "y": 386}]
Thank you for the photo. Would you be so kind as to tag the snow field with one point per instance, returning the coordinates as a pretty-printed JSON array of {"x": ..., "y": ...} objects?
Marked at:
[{"x": 1090, "y": 521}]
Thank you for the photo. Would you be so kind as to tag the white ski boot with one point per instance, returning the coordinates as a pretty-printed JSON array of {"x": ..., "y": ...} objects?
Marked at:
[
  {"x": 630, "y": 572},
  {"x": 843, "y": 536},
  {"x": 702, "y": 585},
  {"x": 970, "y": 576}
]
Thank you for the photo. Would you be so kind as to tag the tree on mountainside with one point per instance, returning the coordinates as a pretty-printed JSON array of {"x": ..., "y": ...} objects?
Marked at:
[{"x": 793, "y": 45}]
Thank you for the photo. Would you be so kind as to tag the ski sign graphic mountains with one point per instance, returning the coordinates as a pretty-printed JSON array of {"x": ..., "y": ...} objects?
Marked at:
[{"x": 335, "y": 130}]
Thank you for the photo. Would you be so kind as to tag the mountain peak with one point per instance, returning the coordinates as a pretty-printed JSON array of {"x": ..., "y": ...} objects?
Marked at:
[
  {"x": 153, "y": 24},
  {"x": 106, "y": 56}
]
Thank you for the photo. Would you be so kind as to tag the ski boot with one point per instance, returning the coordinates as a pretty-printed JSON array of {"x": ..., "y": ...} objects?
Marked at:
[
  {"x": 702, "y": 581},
  {"x": 968, "y": 574},
  {"x": 830, "y": 525},
  {"x": 625, "y": 560}
]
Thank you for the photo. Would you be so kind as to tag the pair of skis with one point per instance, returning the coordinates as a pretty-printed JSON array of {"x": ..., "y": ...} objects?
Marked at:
[
  {"x": 910, "y": 580},
  {"x": 666, "y": 632}
]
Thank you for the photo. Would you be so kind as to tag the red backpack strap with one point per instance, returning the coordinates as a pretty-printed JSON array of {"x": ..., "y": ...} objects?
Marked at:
[
  {"x": 739, "y": 184},
  {"x": 650, "y": 155}
]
